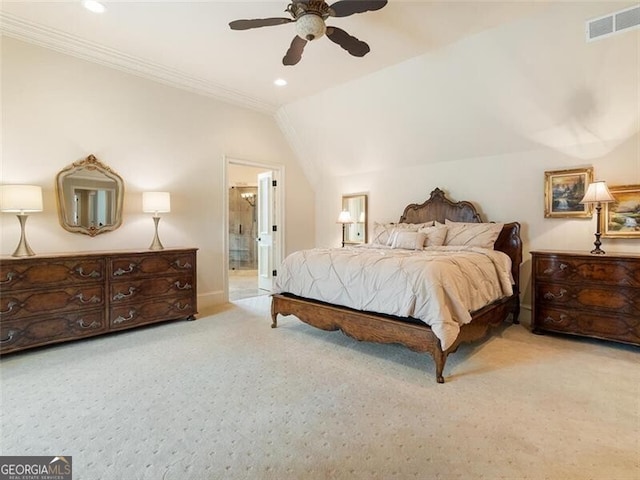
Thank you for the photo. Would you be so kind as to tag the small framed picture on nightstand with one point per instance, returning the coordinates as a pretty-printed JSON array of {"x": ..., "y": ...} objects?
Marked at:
[
  {"x": 563, "y": 190},
  {"x": 622, "y": 217}
]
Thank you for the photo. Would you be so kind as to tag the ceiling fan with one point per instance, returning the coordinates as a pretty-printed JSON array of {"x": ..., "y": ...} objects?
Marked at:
[{"x": 309, "y": 17}]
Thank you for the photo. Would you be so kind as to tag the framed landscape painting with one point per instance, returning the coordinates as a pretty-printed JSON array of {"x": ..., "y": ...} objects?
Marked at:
[
  {"x": 563, "y": 190},
  {"x": 622, "y": 217}
]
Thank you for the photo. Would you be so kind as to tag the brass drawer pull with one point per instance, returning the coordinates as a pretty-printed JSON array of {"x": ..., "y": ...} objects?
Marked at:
[
  {"x": 9, "y": 338},
  {"x": 551, "y": 295},
  {"x": 120, "y": 271},
  {"x": 550, "y": 319},
  {"x": 10, "y": 306},
  {"x": 186, "y": 286},
  {"x": 121, "y": 319},
  {"x": 93, "y": 299},
  {"x": 563, "y": 267},
  {"x": 122, "y": 296},
  {"x": 10, "y": 276},
  {"x": 184, "y": 265},
  {"x": 93, "y": 324},
  {"x": 93, "y": 274},
  {"x": 181, "y": 307}
]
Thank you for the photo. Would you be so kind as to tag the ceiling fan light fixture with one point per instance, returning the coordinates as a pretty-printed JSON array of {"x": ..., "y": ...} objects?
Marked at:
[
  {"x": 93, "y": 6},
  {"x": 310, "y": 26}
]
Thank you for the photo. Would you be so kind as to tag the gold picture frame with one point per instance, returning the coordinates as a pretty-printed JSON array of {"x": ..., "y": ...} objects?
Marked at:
[
  {"x": 622, "y": 217},
  {"x": 563, "y": 190}
]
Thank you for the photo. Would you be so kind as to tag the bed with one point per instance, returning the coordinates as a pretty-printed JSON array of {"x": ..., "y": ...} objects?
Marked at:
[{"x": 378, "y": 325}]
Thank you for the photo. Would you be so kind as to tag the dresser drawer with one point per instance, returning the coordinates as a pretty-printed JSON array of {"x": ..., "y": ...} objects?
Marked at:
[
  {"x": 145, "y": 265},
  {"x": 584, "y": 269},
  {"x": 54, "y": 300},
  {"x": 19, "y": 334},
  {"x": 169, "y": 308},
  {"x": 123, "y": 291},
  {"x": 22, "y": 275},
  {"x": 620, "y": 300},
  {"x": 623, "y": 328}
]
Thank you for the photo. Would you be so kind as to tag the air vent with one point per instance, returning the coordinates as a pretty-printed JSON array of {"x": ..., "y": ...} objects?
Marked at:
[{"x": 613, "y": 23}]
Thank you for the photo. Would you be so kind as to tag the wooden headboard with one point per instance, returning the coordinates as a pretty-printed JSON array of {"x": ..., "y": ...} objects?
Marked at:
[{"x": 438, "y": 207}]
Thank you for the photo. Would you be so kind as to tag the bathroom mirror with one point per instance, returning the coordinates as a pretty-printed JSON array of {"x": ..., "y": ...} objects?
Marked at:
[
  {"x": 356, "y": 205},
  {"x": 90, "y": 197}
]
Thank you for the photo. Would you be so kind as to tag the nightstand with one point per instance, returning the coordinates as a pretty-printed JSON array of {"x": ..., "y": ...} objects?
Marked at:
[{"x": 589, "y": 295}]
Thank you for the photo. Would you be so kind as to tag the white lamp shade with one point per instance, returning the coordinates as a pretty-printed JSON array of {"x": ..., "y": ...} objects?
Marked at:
[
  {"x": 345, "y": 217},
  {"x": 21, "y": 198},
  {"x": 597, "y": 192},
  {"x": 156, "y": 202}
]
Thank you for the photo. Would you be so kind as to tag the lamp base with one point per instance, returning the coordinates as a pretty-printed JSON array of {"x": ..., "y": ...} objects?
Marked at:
[
  {"x": 597, "y": 243},
  {"x": 156, "y": 244},
  {"x": 23, "y": 249}
]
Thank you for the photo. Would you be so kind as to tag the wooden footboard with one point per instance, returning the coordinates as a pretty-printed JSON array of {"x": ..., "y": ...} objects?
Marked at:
[{"x": 371, "y": 327}]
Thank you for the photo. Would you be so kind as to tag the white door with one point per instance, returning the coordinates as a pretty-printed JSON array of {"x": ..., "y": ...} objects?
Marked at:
[{"x": 266, "y": 234}]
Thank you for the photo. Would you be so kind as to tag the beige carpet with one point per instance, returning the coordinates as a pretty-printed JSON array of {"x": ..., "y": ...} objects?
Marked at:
[{"x": 227, "y": 397}]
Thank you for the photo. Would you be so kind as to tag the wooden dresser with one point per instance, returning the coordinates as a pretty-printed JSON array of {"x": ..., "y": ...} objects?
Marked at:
[
  {"x": 55, "y": 298},
  {"x": 590, "y": 295}
]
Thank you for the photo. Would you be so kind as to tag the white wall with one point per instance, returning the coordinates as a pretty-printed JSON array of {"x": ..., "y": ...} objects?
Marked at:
[{"x": 57, "y": 109}]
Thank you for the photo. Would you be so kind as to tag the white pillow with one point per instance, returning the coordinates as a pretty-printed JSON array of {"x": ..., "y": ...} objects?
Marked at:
[
  {"x": 482, "y": 235},
  {"x": 435, "y": 235},
  {"x": 408, "y": 240},
  {"x": 383, "y": 232}
]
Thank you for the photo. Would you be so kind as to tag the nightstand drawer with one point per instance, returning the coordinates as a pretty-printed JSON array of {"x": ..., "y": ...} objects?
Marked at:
[
  {"x": 623, "y": 328},
  {"x": 619, "y": 300},
  {"x": 603, "y": 272}
]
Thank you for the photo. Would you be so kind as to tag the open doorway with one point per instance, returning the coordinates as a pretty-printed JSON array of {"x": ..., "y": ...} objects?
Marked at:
[{"x": 252, "y": 236}]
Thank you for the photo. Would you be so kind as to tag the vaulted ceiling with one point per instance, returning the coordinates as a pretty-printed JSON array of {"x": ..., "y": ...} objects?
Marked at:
[{"x": 190, "y": 43}]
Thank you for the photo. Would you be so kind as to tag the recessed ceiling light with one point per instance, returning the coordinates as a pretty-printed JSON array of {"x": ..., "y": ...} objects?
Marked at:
[
  {"x": 281, "y": 82},
  {"x": 93, "y": 6}
]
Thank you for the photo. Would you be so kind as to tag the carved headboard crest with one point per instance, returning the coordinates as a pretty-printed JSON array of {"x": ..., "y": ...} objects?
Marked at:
[{"x": 439, "y": 207}]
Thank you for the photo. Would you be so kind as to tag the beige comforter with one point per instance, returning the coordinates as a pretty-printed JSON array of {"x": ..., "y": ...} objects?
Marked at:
[{"x": 439, "y": 285}]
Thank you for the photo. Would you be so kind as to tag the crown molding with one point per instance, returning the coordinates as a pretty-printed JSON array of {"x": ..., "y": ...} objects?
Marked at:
[{"x": 53, "y": 39}]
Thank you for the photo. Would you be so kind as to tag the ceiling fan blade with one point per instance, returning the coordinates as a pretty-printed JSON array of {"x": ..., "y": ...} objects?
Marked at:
[
  {"x": 294, "y": 54},
  {"x": 351, "y": 44},
  {"x": 344, "y": 8},
  {"x": 258, "y": 22}
]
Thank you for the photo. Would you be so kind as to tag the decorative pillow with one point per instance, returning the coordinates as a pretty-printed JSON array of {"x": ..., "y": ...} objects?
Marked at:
[
  {"x": 408, "y": 240},
  {"x": 435, "y": 235},
  {"x": 482, "y": 235},
  {"x": 383, "y": 232}
]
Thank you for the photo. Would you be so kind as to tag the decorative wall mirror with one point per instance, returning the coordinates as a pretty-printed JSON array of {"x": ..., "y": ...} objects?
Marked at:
[
  {"x": 90, "y": 197},
  {"x": 356, "y": 205}
]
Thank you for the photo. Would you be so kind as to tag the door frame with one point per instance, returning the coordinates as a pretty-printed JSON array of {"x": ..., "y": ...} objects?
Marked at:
[{"x": 279, "y": 247}]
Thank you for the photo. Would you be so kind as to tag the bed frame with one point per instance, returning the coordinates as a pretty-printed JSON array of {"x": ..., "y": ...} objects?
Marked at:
[{"x": 375, "y": 327}]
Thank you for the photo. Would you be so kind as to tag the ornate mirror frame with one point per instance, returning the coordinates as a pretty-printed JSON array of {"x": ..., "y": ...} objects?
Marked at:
[
  {"x": 355, "y": 233},
  {"x": 103, "y": 192}
]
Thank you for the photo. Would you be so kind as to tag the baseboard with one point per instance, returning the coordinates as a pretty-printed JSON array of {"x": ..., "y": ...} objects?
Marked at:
[{"x": 210, "y": 301}]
